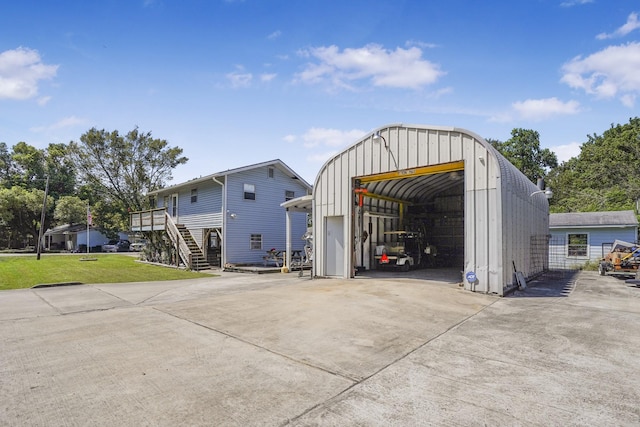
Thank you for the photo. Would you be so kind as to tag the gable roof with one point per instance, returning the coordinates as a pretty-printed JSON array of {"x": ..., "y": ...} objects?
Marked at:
[
  {"x": 277, "y": 163},
  {"x": 593, "y": 219}
]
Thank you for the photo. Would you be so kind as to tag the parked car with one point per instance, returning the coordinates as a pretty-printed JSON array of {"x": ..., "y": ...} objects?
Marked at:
[
  {"x": 116, "y": 246},
  {"x": 138, "y": 245}
]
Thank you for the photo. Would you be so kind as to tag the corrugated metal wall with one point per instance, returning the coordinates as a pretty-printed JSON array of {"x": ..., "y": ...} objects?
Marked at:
[{"x": 501, "y": 217}]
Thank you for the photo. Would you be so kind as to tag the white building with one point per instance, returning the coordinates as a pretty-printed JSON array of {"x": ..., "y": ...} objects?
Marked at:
[{"x": 482, "y": 215}]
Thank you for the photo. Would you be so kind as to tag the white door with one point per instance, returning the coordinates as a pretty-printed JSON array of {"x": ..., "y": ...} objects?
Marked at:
[
  {"x": 334, "y": 255},
  {"x": 173, "y": 208}
]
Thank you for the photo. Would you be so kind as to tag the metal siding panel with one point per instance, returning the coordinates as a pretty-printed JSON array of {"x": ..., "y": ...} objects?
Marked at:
[
  {"x": 456, "y": 146},
  {"x": 496, "y": 283},
  {"x": 443, "y": 141},
  {"x": 434, "y": 147},
  {"x": 423, "y": 148},
  {"x": 480, "y": 241},
  {"x": 402, "y": 150},
  {"x": 413, "y": 147}
]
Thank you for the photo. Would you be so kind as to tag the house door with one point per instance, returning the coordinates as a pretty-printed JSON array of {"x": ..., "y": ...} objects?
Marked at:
[
  {"x": 173, "y": 208},
  {"x": 334, "y": 256}
]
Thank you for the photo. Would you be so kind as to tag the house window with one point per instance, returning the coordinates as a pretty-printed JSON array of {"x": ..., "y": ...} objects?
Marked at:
[
  {"x": 255, "y": 242},
  {"x": 165, "y": 202},
  {"x": 578, "y": 245},
  {"x": 270, "y": 172},
  {"x": 249, "y": 192},
  {"x": 288, "y": 195},
  {"x": 194, "y": 195}
]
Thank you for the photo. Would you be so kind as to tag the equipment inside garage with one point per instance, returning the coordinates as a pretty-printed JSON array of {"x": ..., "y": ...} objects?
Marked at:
[
  {"x": 405, "y": 196},
  {"x": 412, "y": 222}
]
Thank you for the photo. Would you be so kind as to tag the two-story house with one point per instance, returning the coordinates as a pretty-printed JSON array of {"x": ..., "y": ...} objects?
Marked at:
[{"x": 229, "y": 217}]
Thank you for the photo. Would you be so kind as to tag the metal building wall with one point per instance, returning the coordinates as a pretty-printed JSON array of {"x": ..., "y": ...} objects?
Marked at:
[{"x": 501, "y": 216}]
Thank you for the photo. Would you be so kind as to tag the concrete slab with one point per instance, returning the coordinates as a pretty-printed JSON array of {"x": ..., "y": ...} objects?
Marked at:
[
  {"x": 138, "y": 366},
  {"x": 23, "y": 303},
  {"x": 247, "y": 349},
  {"x": 351, "y": 328},
  {"x": 520, "y": 361},
  {"x": 72, "y": 299}
]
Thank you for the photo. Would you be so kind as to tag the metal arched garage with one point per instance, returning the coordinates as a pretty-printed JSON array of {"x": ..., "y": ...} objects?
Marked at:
[{"x": 469, "y": 207}]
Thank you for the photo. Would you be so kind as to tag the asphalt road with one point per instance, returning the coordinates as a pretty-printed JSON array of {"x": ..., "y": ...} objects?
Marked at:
[{"x": 275, "y": 349}]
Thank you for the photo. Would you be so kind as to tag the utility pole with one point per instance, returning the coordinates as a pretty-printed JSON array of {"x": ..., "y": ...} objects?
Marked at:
[{"x": 44, "y": 208}]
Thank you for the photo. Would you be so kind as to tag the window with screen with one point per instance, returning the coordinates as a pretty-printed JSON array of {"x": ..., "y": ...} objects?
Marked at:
[
  {"x": 578, "y": 245},
  {"x": 249, "y": 192},
  {"x": 255, "y": 242}
]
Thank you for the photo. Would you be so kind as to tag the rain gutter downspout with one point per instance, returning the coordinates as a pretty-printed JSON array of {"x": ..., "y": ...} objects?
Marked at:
[{"x": 223, "y": 257}]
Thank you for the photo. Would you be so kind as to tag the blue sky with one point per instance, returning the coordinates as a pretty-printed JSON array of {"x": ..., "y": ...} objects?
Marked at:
[{"x": 238, "y": 82}]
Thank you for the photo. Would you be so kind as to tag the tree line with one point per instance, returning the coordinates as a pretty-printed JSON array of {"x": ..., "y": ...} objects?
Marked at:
[
  {"x": 106, "y": 172},
  {"x": 605, "y": 176},
  {"x": 112, "y": 173}
]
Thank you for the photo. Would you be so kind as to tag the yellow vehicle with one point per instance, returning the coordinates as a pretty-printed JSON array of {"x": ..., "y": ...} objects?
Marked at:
[{"x": 623, "y": 259}]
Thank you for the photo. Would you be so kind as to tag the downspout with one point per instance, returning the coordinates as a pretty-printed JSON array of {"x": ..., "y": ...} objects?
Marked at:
[{"x": 223, "y": 256}]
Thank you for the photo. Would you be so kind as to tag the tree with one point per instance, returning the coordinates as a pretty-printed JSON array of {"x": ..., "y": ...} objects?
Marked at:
[
  {"x": 604, "y": 177},
  {"x": 70, "y": 210},
  {"x": 20, "y": 212},
  {"x": 29, "y": 167},
  {"x": 524, "y": 152},
  {"x": 118, "y": 171},
  {"x": 6, "y": 166}
]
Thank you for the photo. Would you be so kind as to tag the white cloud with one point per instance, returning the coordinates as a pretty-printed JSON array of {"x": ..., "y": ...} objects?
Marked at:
[
  {"x": 21, "y": 70},
  {"x": 331, "y": 137},
  {"x": 267, "y": 77},
  {"x": 571, "y": 3},
  {"x": 401, "y": 68},
  {"x": 566, "y": 151},
  {"x": 289, "y": 138},
  {"x": 66, "y": 122},
  {"x": 321, "y": 158},
  {"x": 540, "y": 109},
  {"x": 424, "y": 45},
  {"x": 608, "y": 73},
  {"x": 239, "y": 78},
  {"x": 44, "y": 100},
  {"x": 274, "y": 35},
  {"x": 632, "y": 24}
]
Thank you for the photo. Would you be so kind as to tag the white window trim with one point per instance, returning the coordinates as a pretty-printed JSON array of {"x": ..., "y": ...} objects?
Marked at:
[{"x": 566, "y": 247}]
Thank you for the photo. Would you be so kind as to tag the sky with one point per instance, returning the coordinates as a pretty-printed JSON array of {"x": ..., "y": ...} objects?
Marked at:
[{"x": 239, "y": 82}]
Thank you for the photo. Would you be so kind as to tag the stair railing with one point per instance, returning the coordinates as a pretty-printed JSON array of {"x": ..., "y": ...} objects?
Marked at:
[{"x": 178, "y": 241}]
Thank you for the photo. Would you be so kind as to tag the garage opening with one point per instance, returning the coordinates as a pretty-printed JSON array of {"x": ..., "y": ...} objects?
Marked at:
[{"x": 411, "y": 220}]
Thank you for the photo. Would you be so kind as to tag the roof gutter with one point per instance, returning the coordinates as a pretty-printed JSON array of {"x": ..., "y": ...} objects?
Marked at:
[{"x": 223, "y": 258}]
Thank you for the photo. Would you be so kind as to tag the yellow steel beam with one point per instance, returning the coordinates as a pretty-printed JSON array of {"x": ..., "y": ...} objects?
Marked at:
[
  {"x": 413, "y": 172},
  {"x": 387, "y": 199}
]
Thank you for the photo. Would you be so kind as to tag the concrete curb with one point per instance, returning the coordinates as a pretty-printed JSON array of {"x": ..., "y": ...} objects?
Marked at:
[{"x": 51, "y": 285}]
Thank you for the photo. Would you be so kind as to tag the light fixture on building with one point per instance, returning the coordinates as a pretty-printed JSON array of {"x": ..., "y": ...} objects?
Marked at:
[
  {"x": 547, "y": 193},
  {"x": 377, "y": 137}
]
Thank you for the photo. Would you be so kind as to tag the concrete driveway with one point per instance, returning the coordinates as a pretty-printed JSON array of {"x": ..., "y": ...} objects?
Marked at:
[{"x": 242, "y": 350}]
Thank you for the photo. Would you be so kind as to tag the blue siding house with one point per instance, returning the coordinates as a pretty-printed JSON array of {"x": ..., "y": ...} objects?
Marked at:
[
  {"x": 230, "y": 217},
  {"x": 579, "y": 237}
]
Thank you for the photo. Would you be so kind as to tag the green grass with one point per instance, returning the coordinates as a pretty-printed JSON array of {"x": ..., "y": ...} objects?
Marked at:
[{"x": 26, "y": 271}]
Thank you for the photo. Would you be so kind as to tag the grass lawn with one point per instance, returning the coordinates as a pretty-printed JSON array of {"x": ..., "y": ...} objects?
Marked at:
[{"x": 26, "y": 271}]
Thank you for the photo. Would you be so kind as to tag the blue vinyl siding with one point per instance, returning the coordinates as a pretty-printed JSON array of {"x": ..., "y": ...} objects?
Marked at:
[
  {"x": 264, "y": 215},
  {"x": 205, "y": 213},
  {"x": 558, "y": 257}
]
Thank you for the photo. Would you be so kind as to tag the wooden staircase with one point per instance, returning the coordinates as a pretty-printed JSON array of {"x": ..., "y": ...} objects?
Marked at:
[{"x": 198, "y": 261}]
